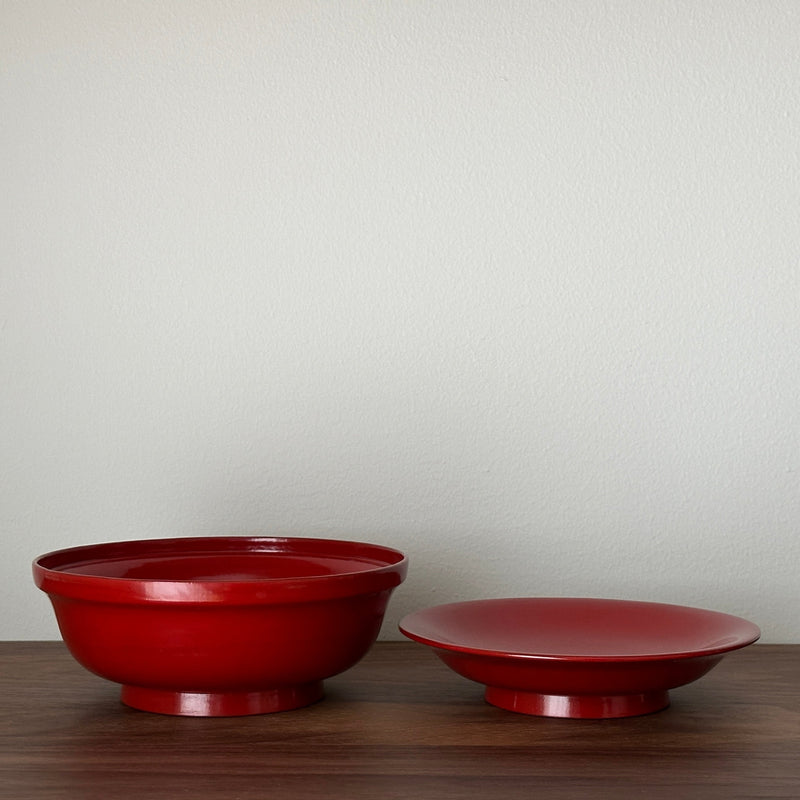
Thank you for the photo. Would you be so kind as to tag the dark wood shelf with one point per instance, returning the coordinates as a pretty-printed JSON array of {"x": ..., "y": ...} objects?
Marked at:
[{"x": 398, "y": 725}]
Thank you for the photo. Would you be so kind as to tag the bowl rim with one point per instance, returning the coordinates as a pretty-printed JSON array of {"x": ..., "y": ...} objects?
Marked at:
[
  {"x": 406, "y": 625},
  {"x": 385, "y": 568}
]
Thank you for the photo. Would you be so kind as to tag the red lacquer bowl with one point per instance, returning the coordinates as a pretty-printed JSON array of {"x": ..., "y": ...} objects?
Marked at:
[
  {"x": 222, "y": 626},
  {"x": 578, "y": 657}
]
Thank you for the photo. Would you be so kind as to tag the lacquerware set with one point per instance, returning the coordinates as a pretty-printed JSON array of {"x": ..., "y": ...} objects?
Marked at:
[{"x": 230, "y": 626}]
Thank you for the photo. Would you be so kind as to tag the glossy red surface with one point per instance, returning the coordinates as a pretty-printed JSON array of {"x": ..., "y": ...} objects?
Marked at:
[
  {"x": 220, "y": 626},
  {"x": 578, "y": 657}
]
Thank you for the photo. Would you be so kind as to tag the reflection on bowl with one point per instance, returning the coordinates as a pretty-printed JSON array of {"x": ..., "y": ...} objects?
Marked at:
[
  {"x": 220, "y": 626},
  {"x": 578, "y": 657}
]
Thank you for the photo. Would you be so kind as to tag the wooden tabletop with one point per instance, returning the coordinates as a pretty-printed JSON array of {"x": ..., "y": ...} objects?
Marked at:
[{"x": 398, "y": 725}]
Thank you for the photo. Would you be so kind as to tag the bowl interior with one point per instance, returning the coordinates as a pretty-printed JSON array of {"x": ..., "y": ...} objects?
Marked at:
[
  {"x": 217, "y": 567},
  {"x": 578, "y": 628},
  {"x": 219, "y": 559}
]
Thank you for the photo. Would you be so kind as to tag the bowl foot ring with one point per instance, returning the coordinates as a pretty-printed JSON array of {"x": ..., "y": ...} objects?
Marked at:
[
  {"x": 221, "y": 704},
  {"x": 586, "y": 706}
]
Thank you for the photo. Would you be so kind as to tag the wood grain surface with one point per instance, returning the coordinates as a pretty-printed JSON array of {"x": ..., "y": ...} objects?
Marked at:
[{"x": 398, "y": 725}]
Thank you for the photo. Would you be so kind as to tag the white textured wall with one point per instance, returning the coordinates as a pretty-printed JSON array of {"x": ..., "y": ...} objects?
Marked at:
[{"x": 512, "y": 286}]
